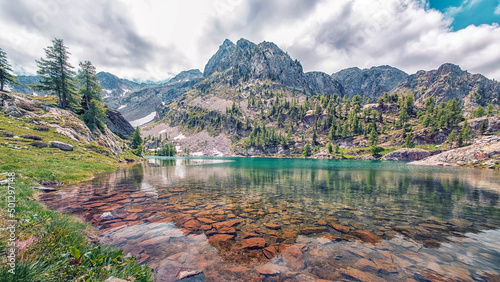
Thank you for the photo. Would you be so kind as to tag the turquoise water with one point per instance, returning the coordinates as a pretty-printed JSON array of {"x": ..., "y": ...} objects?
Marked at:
[{"x": 256, "y": 219}]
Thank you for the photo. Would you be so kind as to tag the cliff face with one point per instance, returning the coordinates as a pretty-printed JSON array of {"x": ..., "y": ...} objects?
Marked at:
[
  {"x": 118, "y": 124},
  {"x": 372, "y": 83}
]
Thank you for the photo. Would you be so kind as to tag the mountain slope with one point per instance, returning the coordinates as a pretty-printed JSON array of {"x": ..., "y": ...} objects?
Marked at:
[
  {"x": 449, "y": 81},
  {"x": 142, "y": 103}
]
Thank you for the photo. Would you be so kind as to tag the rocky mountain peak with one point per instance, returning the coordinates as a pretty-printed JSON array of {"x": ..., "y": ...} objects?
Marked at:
[
  {"x": 371, "y": 82},
  {"x": 449, "y": 68},
  {"x": 221, "y": 60}
]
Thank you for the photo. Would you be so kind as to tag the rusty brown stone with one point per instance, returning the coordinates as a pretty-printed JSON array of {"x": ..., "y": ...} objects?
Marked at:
[
  {"x": 367, "y": 236},
  {"x": 206, "y": 227},
  {"x": 192, "y": 224},
  {"x": 270, "y": 252},
  {"x": 253, "y": 243},
  {"x": 321, "y": 222},
  {"x": 131, "y": 217},
  {"x": 272, "y": 225},
  {"x": 311, "y": 230},
  {"x": 340, "y": 228},
  {"x": 229, "y": 223},
  {"x": 219, "y": 238}
]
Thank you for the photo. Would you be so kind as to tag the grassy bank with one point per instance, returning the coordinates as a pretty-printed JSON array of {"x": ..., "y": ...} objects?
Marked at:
[{"x": 52, "y": 246}]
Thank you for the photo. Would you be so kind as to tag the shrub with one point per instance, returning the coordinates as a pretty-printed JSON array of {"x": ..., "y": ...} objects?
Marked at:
[
  {"x": 41, "y": 128},
  {"x": 39, "y": 144},
  {"x": 32, "y": 137}
]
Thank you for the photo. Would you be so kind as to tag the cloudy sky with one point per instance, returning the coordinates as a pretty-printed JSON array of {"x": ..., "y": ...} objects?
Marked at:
[{"x": 154, "y": 39}]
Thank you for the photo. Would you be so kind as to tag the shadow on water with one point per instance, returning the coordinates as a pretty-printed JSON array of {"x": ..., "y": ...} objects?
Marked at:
[{"x": 296, "y": 219}]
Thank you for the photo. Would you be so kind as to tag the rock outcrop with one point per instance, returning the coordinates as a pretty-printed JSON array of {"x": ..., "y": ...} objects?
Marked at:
[
  {"x": 63, "y": 121},
  {"x": 484, "y": 151},
  {"x": 118, "y": 124},
  {"x": 407, "y": 154}
]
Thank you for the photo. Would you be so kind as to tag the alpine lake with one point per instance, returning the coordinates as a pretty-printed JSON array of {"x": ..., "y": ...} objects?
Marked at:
[{"x": 260, "y": 219}]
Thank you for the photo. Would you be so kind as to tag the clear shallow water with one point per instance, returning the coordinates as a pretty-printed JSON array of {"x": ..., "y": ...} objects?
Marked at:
[{"x": 258, "y": 219}]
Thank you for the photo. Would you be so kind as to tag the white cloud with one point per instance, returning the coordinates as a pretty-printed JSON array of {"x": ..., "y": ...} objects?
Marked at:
[{"x": 152, "y": 39}]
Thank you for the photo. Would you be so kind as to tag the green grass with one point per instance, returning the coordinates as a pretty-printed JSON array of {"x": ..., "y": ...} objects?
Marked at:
[
  {"x": 63, "y": 250},
  {"x": 50, "y": 163}
]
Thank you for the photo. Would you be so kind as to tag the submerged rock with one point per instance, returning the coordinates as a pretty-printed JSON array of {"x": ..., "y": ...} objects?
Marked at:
[{"x": 253, "y": 243}]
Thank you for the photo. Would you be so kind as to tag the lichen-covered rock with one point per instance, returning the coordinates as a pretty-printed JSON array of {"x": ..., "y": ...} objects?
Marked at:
[
  {"x": 407, "y": 154},
  {"x": 61, "y": 145},
  {"x": 483, "y": 149}
]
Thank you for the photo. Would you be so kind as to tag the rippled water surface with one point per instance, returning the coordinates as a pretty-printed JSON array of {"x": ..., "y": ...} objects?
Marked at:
[{"x": 232, "y": 219}]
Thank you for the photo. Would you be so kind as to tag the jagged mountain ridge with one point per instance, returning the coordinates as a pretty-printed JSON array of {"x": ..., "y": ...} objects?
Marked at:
[
  {"x": 450, "y": 81},
  {"x": 372, "y": 82},
  {"x": 246, "y": 64},
  {"x": 246, "y": 61}
]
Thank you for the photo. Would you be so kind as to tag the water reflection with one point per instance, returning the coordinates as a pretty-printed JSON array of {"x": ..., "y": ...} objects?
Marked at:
[{"x": 297, "y": 219}]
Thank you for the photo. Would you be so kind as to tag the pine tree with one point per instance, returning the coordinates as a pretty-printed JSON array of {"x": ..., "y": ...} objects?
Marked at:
[
  {"x": 57, "y": 75},
  {"x": 489, "y": 110},
  {"x": 136, "y": 138},
  {"x": 409, "y": 141},
  {"x": 452, "y": 137},
  {"x": 464, "y": 135},
  {"x": 373, "y": 137},
  {"x": 89, "y": 87},
  {"x": 307, "y": 150},
  {"x": 5, "y": 69},
  {"x": 91, "y": 101},
  {"x": 329, "y": 148}
]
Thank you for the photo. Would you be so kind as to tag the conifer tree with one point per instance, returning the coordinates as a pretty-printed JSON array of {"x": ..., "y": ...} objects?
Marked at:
[
  {"x": 136, "y": 138},
  {"x": 307, "y": 150},
  {"x": 91, "y": 101},
  {"x": 464, "y": 135},
  {"x": 57, "y": 75},
  {"x": 5, "y": 69}
]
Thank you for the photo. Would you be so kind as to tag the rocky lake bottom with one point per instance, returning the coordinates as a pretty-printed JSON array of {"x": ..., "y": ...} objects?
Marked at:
[{"x": 234, "y": 219}]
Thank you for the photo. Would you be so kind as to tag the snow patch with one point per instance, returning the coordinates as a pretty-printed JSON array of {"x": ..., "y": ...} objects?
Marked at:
[
  {"x": 180, "y": 137},
  {"x": 121, "y": 107},
  {"x": 163, "y": 131},
  {"x": 146, "y": 119}
]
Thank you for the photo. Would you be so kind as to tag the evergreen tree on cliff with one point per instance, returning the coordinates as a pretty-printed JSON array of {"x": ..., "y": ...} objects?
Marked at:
[
  {"x": 5, "y": 69},
  {"x": 57, "y": 75},
  {"x": 90, "y": 92}
]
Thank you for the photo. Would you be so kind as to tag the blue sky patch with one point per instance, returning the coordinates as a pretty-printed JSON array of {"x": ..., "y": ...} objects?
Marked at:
[{"x": 467, "y": 12}]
